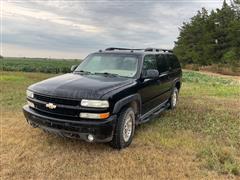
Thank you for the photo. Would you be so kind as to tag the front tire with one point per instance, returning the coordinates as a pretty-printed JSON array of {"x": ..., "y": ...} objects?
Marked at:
[
  {"x": 125, "y": 129},
  {"x": 173, "y": 99}
]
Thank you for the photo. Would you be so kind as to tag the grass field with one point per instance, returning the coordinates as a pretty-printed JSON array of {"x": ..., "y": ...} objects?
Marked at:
[
  {"x": 198, "y": 140},
  {"x": 37, "y": 64}
]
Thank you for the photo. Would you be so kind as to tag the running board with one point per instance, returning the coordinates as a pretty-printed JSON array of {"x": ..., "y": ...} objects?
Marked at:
[{"x": 153, "y": 113}]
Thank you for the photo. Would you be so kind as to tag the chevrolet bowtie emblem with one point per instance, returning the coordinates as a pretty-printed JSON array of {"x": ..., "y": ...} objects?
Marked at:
[{"x": 51, "y": 106}]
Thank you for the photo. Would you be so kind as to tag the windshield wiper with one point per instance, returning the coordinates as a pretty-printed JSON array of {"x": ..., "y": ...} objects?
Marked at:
[
  {"x": 82, "y": 71},
  {"x": 106, "y": 74}
]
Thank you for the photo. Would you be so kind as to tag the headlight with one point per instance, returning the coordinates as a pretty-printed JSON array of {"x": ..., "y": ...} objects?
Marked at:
[
  {"x": 30, "y": 94},
  {"x": 95, "y": 103}
]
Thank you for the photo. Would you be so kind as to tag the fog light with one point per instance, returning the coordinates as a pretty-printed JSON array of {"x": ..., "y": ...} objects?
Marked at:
[
  {"x": 90, "y": 137},
  {"x": 94, "y": 115}
]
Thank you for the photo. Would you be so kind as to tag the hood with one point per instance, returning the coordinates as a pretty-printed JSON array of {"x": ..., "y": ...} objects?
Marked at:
[{"x": 76, "y": 86}]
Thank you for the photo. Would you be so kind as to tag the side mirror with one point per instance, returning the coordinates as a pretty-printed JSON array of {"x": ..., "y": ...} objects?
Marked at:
[
  {"x": 73, "y": 67},
  {"x": 151, "y": 74}
]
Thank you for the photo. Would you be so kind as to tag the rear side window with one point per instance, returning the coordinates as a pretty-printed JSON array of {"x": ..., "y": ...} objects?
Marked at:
[
  {"x": 162, "y": 63},
  {"x": 173, "y": 62},
  {"x": 149, "y": 62}
]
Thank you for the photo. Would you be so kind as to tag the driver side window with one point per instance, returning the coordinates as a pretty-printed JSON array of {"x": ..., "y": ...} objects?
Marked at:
[{"x": 149, "y": 62}]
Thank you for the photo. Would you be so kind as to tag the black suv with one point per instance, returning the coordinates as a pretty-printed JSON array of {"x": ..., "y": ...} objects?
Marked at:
[{"x": 107, "y": 95}]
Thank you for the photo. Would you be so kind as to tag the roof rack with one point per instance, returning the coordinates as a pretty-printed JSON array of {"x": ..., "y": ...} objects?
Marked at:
[
  {"x": 167, "y": 50},
  {"x": 157, "y": 50},
  {"x": 114, "y": 48},
  {"x": 146, "y": 50}
]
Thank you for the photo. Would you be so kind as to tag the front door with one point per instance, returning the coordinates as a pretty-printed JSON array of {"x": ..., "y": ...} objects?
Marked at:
[{"x": 149, "y": 88}]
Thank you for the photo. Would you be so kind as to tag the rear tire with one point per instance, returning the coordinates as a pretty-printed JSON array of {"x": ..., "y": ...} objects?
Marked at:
[
  {"x": 173, "y": 99},
  {"x": 125, "y": 129}
]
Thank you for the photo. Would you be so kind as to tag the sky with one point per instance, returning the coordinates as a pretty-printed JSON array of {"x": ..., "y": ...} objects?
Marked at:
[{"x": 73, "y": 29}]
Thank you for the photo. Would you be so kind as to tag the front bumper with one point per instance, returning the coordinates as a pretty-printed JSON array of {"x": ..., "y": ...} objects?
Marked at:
[{"x": 102, "y": 130}]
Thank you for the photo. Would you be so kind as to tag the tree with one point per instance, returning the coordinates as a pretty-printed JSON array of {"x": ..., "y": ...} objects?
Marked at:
[
  {"x": 235, "y": 3},
  {"x": 210, "y": 37}
]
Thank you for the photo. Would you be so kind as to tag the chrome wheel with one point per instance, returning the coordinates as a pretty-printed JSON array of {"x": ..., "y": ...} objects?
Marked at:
[
  {"x": 128, "y": 126},
  {"x": 125, "y": 128}
]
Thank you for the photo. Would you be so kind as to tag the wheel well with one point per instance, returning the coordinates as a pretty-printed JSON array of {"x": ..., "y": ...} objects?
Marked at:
[
  {"x": 178, "y": 85},
  {"x": 133, "y": 104}
]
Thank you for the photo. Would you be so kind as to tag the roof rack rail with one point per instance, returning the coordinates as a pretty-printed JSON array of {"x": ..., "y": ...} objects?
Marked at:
[
  {"x": 167, "y": 50},
  {"x": 152, "y": 49},
  {"x": 146, "y": 50},
  {"x": 115, "y": 48},
  {"x": 157, "y": 50}
]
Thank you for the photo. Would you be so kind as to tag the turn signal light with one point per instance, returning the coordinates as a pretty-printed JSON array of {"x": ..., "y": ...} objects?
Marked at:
[{"x": 104, "y": 115}]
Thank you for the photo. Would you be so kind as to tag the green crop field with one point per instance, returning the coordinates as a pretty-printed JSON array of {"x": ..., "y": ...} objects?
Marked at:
[
  {"x": 200, "y": 139},
  {"x": 37, "y": 64}
]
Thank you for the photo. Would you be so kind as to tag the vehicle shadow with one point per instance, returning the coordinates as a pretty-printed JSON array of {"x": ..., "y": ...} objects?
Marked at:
[
  {"x": 81, "y": 145},
  {"x": 74, "y": 144}
]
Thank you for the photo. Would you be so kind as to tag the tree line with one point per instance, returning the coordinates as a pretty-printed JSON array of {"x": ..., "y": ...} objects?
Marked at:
[{"x": 211, "y": 37}]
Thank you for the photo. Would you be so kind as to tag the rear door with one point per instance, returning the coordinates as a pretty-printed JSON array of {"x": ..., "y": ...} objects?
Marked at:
[
  {"x": 165, "y": 82},
  {"x": 175, "y": 68}
]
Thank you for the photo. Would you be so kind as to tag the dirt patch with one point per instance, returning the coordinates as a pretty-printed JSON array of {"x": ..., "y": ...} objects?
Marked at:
[{"x": 221, "y": 75}]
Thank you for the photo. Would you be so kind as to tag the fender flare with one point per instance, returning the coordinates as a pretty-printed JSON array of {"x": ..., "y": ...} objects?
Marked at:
[
  {"x": 122, "y": 102},
  {"x": 177, "y": 80}
]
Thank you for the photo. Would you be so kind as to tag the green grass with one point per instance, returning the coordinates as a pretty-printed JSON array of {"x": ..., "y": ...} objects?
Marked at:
[
  {"x": 37, "y": 65},
  {"x": 198, "y": 140},
  {"x": 13, "y": 87},
  {"x": 202, "y": 84}
]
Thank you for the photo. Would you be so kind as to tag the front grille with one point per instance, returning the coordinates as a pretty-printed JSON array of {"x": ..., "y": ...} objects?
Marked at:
[
  {"x": 66, "y": 108},
  {"x": 56, "y": 100},
  {"x": 58, "y": 110}
]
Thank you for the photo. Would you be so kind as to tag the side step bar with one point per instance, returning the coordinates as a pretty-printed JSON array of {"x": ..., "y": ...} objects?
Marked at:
[{"x": 153, "y": 113}]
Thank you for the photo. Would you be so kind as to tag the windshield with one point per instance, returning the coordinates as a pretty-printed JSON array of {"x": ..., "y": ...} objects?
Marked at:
[{"x": 115, "y": 64}]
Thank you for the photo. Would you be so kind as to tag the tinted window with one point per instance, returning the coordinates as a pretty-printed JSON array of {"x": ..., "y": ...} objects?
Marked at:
[
  {"x": 162, "y": 63},
  {"x": 149, "y": 62},
  {"x": 173, "y": 62}
]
